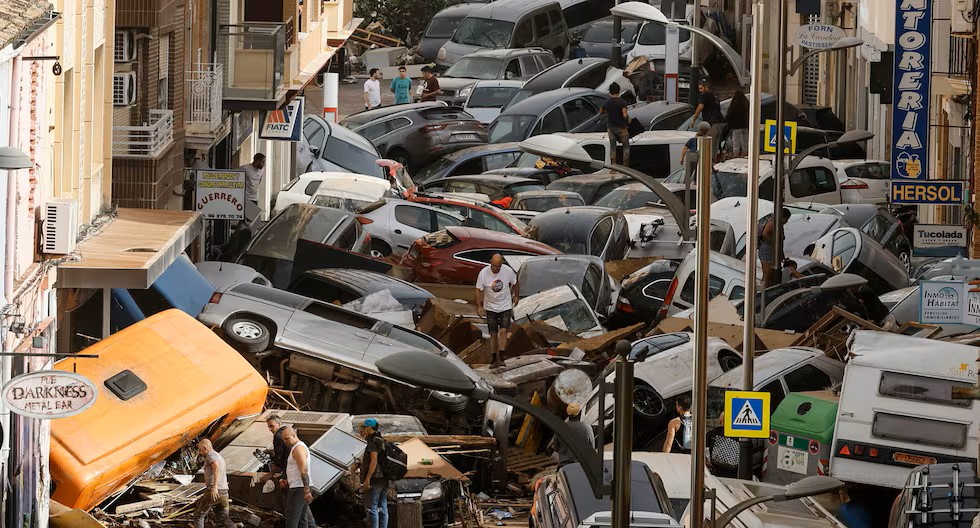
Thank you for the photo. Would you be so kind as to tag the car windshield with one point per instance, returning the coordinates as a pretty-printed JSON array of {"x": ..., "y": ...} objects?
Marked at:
[
  {"x": 510, "y": 128},
  {"x": 675, "y": 177},
  {"x": 726, "y": 184},
  {"x": 602, "y": 33},
  {"x": 442, "y": 27},
  {"x": 521, "y": 95},
  {"x": 654, "y": 34},
  {"x": 490, "y": 96},
  {"x": 350, "y": 157},
  {"x": 627, "y": 197},
  {"x": 347, "y": 204},
  {"x": 484, "y": 32},
  {"x": 575, "y": 316},
  {"x": 487, "y": 68},
  {"x": 278, "y": 239},
  {"x": 535, "y": 279},
  {"x": 547, "y": 203}
]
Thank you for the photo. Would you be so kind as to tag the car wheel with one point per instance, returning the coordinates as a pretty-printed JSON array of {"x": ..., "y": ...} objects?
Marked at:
[
  {"x": 727, "y": 361},
  {"x": 400, "y": 156},
  {"x": 647, "y": 402},
  {"x": 379, "y": 249},
  {"x": 247, "y": 334},
  {"x": 448, "y": 401},
  {"x": 906, "y": 261}
]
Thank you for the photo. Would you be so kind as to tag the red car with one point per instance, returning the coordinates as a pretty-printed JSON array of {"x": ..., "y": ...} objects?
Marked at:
[{"x": 456, "y": 254}]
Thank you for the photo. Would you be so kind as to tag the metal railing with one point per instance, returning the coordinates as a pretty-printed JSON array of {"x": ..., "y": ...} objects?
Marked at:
[
  {"x": 149, "y": 140},
  {"x": 204, "y": 85},
  {"x": 961, "y": 56},
  {"x": 253, "y": 56}
]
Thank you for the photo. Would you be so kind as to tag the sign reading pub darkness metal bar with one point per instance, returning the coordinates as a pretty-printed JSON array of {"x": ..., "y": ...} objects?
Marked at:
[{"x": 910, "y": 98}]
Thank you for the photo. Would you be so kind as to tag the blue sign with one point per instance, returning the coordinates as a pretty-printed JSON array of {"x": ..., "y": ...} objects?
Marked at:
[
  {"x": 910, "y": 91},
  {"x": 939, "y": 192},
  {"x": 789, "y": 135}
]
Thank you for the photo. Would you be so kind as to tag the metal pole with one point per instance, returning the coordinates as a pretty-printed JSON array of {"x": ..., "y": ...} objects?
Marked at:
[
  {"x": 751, "y": 223},
  {"x": 700, "y": 366},
  {"x": 617, "y": 49},
  {"x": 778, "y": 159},
  {"x": 695, "y": 60},
  {"x": 622, "y": 439}
]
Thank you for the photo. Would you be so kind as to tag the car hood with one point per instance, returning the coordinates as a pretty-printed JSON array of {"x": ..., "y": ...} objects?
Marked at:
[
  {"x": 670, "y": 372},
  {"x": 455, "y": 83}
]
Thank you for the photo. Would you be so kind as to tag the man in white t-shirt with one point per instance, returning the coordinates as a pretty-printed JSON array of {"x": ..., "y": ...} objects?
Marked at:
[
  {"x": 496, "y": 295},
  {"x": 372, "y": 90},
  {"x": 254, "y": 172}
]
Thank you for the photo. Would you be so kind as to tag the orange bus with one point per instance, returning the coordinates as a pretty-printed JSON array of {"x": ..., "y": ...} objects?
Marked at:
[{"x": 162, "y": 383}]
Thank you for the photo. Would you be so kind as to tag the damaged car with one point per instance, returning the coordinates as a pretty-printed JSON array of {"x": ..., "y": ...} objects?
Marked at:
[
  {"x": 563, "y": 307},
  {"x": 849, "y": 250},
  {"x": 586, "y": 272}
]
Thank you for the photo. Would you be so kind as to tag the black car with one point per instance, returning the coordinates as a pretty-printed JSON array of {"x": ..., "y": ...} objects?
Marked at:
[
  {"x": 416, "y": 137},
  {"x": 346, "y": 285},
  {"x": 587, "y": 230},
  {"x": 653, "y": 115},
  {"x": 801, "y": 308},
  {"x": 496, "y": 186},
  {"x": 597, "y": 40},
  {"x": 359, "y": 119},
  {"x": 878, "y": 223},
  {"x": 472, "y": 160},
  {"x": 585, "y": 272},
  {"x": 642, "y": 293},
  {"x": 551, "y": 112},
  {"x": 576, "y": 73},
  {"x": 592, "y": 186}
]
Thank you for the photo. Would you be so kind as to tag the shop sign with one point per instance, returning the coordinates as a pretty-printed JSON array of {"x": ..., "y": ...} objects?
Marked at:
[
  {"x": 48, "y": 394},
  {"x": 818, "y": 36},
  {"x": 910, "y": 96},
  {"x": 285, "y": 124},
  {"x": 942, "y": 302},
  {"x": 934, "y": 240},
  {"x": 220, "y": 194}
]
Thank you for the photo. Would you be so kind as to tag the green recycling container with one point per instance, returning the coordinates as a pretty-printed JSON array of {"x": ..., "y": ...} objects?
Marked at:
[{"x": 801, "y": 436}]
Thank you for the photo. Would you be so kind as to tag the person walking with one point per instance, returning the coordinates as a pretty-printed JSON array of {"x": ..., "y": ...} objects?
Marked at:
[
  {"x": 617, "y": 125},
  {"x": 254, "y": 174},
  {"x": 496, "y": 295},
  {"x": 689, "y": 152},
  {"x": 298, "y": 494},
  {"x": 767, "y": 234},
  {"x": 373, "y": 485},
  {"x": 430, "y": 85},
  {"x": 279, "y": 452},
  {"x": 372, "y": 90},
  {"x": 680, "y": 429},
  {"x": 737, "y": 120},
  {"x": 709, "y": 109},
  {"x": 401, "y": 86},
  {"x": 580, "y": 428},
  {"x": 215, "y": 496}
]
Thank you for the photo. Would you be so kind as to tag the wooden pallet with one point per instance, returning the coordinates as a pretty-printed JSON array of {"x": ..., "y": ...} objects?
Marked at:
[
  {"x": 519, "y": 461},
  {"x": 369, "y": 38}
]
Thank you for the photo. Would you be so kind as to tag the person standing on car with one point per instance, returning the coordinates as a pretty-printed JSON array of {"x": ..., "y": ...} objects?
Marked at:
[
  {"x": 430, "y": 85},
  {"x": 767, "y": 246},
  {"x": 372, "y": 90},
  {"x": 689, "y": 152},
  {"x": 298, "y": 494},
  {"x": 215, "y": 496},
  {"x": 737, "y": 120},
  {"x": 617, "y": 125},
  {"x": 373, "y": 485},
  {"x": 496, "y": 295},
  {"x": 680, "y": 429},
  {"x": 401, "y": 86},
  {"x": 709, "y": 109}
]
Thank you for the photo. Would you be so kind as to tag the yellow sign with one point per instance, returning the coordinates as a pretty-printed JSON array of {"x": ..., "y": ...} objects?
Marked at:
[
  {"x": 747, "y": 414},
  {"x": 789, "y": 133}
]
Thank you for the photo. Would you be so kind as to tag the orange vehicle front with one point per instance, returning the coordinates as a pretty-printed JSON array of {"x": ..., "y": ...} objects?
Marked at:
[{"x": 163, "y": 382}]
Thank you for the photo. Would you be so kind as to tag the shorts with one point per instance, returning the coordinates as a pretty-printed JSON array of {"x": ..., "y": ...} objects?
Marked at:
[{"x": 497, "y": 320}]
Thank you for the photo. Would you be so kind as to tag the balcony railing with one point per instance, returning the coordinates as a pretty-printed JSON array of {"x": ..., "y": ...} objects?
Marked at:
[
  {"x": 204, "y": 86},
  {"x": 961, "y": 56},
  {"x": 149, "y": 140},
  {"x": 252, "y": 54}
]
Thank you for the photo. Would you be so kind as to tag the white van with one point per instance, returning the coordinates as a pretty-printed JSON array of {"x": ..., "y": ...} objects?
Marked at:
[
  {"x": 651, "y": 40},
  {"x": 896, "y": 410},
  {"x": 814, "y": 180}
]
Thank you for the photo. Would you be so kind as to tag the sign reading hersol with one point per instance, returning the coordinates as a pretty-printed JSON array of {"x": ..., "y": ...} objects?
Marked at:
[
  {"x": 221, "y": 194},
  {"x": 49, "y": 394}
]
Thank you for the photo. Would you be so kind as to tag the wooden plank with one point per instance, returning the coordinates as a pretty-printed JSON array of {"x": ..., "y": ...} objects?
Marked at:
[
  {"x": 139, "y": 506},
  {"x": 446, "y": 440}
]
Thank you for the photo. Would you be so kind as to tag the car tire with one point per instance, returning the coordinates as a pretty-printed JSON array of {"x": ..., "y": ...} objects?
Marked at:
[
  {"x": 727, "y": 361},
  {"x": 379, "y": 249},
  {"x": 448, "y": 401},
  {"x": 647, "y": 402},
  {"x": 247, "y": 334},
  {"x": 401, "y": 156}
]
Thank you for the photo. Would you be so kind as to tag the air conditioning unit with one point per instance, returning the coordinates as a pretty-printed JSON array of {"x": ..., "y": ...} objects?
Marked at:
[
  {"x": 125, "y": 47},
  {"x": 124, "y": 89},
  {"x": 60, "y": 226},
  {"x": 960, "y": 21}
]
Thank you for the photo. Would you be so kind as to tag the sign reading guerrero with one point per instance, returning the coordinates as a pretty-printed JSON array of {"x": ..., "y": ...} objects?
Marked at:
[
  {"x": 49, "y": 394},
  {"x": 221, "y": 194}
]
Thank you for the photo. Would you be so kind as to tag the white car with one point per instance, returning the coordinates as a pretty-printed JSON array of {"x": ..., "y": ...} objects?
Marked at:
[
  {"x": 651, "y": 41},
  {"x": 299, "y": 190},
  {"x": 563, "y": 307},
  {"x": 487, "y": 98},
  {"x": 863, "y": 181},
  {"x": 394, "y": 225},
  {"x": 350, "y": 192},
  {"x": 814, "y": 180}
]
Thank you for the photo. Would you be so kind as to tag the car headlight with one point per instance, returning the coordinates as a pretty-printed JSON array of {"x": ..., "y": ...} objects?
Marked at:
[
  {"x": 465, "y": 92},
  {"x": 441, "y": 55},
  {"x": 432, "y": 492}
]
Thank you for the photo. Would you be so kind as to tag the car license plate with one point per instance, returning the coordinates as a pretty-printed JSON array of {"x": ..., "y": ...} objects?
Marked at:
[
  {"x": 466, "y": 137},
  {"x": 915, "y": 460},
  {"x": 789, "y": 459}
]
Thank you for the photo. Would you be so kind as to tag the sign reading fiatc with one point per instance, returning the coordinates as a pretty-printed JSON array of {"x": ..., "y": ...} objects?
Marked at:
[{"x": 49, "y": 394}]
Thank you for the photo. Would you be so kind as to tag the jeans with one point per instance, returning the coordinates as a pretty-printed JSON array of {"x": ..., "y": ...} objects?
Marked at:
[
  {"x": 205, "y": 504},
  {"x": 621, "y": 136},
  {"x": 298, "y": 514},
  {"x": 376, "y": 506}
]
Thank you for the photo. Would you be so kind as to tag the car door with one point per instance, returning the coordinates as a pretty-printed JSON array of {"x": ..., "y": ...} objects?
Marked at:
[
  {"x": 408, "y": 223},
  {"x": 314, "y": 139},
  {"x": 542, "y": 31},
  {"x": 813, "y": 184},
  {"x": 577, "y": 111},
  {"x": 529, "y": 67},
  {"x": 310, "y": 329},
  {"x": 552, "y": 123}
]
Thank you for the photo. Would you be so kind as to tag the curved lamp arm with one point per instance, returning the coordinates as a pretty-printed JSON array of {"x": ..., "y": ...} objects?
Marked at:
[{"x": 733, "y": 512}]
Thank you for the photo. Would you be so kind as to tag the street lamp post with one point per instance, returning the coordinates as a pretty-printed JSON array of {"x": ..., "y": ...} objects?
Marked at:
[
  {"x": 806, "y": 487},
  {"x": 777, "y": 202}
]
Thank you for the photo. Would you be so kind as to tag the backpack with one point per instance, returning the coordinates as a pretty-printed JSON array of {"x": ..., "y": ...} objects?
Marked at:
[
  {"x": 686, "y": 432},
  {"x": 392, "y": 462}
]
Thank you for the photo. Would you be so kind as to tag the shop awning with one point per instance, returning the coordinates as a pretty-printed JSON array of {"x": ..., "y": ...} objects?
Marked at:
[{"x": 132, "y": 250}]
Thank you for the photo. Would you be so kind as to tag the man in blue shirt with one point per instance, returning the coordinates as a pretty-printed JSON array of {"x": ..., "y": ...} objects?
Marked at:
[{"x": 401, "y": 86}]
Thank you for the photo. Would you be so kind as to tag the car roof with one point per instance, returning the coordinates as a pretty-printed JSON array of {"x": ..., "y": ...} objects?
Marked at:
[
  {"x": 348, "y": 135},
  {"x": 481, "y": 150},
  {"x": 653, "y": 136},
  {"x": 583, "y": 499},
  {"x": 767, "y": 366},
  {"x": 510, "y": 10},
  {"x": 600, "y": 176},
  {"x": 556, "y": 75},
  {"x": 503, "y": 53},
  {"x": 580, "y": 213},
  {"x": 464, "y": 9},
  {"x": 498, "y": 179},
  {"x": 466, "y": 233},
  {"x": 855, "y": 215},
  {"x": 539, "y": 103},
  {"x": 361, "y": 118},
  {"x": 365, "y": 281},
  {"x": 545, "y": 193}
]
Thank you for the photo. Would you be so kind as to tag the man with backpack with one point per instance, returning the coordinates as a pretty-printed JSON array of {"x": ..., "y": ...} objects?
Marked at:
[
  {"x": 679, "y": 430},
  {"x": 374, "y": 484}
]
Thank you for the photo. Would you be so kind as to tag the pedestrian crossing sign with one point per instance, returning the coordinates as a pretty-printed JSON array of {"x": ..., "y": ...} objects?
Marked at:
[
  {"x": 789, "y": 135},
  {"x": 747, "y": 414}
]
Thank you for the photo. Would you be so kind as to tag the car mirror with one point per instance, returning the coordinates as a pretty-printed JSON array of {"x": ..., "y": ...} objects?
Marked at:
[{"x": 315, "y": 150}]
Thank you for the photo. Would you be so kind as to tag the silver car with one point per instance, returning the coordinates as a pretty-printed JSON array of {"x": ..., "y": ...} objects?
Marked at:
[
  {"x": 254, "y": 317},
  {"x": 394, "y": 225}
]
